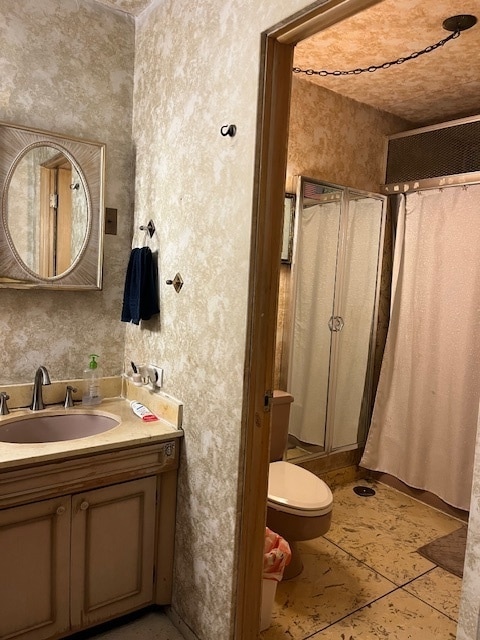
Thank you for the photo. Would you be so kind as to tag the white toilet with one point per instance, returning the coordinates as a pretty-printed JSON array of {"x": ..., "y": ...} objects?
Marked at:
[{"x": 299, "y": 505}]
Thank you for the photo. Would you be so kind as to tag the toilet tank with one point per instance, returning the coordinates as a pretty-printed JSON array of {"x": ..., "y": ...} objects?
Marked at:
[{"x": 281, "y": 402}]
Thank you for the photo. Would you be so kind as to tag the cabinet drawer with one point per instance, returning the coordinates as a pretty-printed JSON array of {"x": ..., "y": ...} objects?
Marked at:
[{"x": 85, "y": 472}]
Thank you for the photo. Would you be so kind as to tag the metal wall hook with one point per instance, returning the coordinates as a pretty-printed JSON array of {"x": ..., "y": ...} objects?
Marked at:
[
  {"x": 177, "y": 282},
  {"x": 229, "y": 130},
  {"x": 150, "y": 228}
]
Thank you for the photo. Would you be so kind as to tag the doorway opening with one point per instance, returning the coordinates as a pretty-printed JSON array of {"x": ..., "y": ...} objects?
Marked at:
[
  {"x": 268, "y": 212},
  {"x": 273, "y": 119}
]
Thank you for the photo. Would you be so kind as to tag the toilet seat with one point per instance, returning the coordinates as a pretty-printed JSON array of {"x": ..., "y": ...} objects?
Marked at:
[{"x": 295, "y": 490}]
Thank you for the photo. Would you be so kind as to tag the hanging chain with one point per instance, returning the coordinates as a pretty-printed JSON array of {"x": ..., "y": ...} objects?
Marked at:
[{"x": 385, "y": 65}]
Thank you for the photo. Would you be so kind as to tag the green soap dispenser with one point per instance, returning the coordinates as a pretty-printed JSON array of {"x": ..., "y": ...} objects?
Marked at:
[{"x": 91, "y": 386}]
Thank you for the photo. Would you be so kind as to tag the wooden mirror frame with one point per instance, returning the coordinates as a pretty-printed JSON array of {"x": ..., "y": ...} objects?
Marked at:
[{"x": 89, "y": 157}]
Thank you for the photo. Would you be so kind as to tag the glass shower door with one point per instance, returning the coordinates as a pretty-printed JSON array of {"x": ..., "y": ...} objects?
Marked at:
[
  {"x": 315, "y": 267},
  {"x": 356, "y": 305},
  {"x": 336, "y": 267}
]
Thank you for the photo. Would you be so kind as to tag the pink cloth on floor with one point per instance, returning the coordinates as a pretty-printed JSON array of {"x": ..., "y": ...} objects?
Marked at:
[{"x": 276, "y": 555}]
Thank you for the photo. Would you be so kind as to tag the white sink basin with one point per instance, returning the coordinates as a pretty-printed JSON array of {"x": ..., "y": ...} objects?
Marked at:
[{"x": 54, "y": 427}]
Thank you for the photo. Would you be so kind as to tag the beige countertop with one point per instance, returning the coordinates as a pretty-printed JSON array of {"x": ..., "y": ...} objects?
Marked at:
[{"x": 130, "y": 432}]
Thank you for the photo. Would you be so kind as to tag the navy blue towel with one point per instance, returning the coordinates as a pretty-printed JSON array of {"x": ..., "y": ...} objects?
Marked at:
[{"x": 140, "y": 297}]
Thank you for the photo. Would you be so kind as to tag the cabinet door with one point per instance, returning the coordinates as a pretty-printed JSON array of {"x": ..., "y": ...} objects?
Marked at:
[
  {"x": 34, "y": 570},
  {"x": 113, "y": 532}
]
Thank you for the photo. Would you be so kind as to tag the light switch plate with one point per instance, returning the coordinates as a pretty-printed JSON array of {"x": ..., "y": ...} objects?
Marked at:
[{"x": 111, "y": 221}]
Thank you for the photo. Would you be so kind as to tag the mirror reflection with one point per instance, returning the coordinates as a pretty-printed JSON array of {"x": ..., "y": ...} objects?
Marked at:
[
  {"x": 47, "y": 210},
  {"x": 52, "y": 210}
]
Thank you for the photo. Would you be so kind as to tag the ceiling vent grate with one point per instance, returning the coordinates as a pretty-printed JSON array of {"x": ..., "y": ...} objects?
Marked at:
[{"x": 444, "y": 150}]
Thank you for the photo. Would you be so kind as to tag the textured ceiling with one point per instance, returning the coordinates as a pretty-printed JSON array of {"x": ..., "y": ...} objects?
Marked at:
[
  {"x": 134, "y": 7},
  {"x": 435, "y": 87}
]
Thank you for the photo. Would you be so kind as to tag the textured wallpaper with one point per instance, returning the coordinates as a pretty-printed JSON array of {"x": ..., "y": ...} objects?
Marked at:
[
  {"x": 337, "y": 139},
  {"x": 135, "y": 7},
  {"x": 469, "y": 617},
  {"x": 67, "y": 67},
  {"x": 197, "y": 186},
  {"x": 197, "y": 70}
]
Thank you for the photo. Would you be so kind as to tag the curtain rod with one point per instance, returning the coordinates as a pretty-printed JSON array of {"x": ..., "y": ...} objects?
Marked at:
[{"x": 461, "y": 179}]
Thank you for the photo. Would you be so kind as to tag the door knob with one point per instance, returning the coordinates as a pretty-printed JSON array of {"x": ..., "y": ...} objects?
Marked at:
[
  {"x": 336, "y": 323},
  {"x": 84, "y": 506}
]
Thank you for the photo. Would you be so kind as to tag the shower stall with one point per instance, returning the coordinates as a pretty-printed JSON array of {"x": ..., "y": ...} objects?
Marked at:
[
  {"x": 424, "y": 422},
  {"x": 336, "y": 267},
  {"x": 421, "y": 420}
]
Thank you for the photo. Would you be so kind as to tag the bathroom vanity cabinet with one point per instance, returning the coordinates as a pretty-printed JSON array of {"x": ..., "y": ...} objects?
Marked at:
[{"x": 86, "y": 539}]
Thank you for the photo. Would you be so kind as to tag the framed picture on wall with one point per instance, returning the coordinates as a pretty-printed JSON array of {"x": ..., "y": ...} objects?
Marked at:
[{"x": 288, "y": 220}]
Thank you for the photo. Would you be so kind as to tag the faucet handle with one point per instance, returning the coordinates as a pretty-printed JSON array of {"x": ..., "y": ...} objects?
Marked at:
[
  {"x": 3, "y": 403},
  {"x": 69, "y": 397}
]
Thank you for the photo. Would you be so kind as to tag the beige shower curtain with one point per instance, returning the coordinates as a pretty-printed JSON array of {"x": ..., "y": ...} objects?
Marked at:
[{"x": 424, "y": 421}]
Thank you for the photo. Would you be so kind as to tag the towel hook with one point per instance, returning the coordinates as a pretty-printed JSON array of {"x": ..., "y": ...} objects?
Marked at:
[
  {"x": 150, "y": 228},
  {"x": 229, "y": 130},
  {"x": 177, "y": 282}
]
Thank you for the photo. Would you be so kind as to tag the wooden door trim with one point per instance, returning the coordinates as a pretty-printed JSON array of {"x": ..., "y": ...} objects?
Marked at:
[
  {"x": 324, "y": 15},
  {"x": 271, "y": 158},
  {"x": 264, "y": 275}
]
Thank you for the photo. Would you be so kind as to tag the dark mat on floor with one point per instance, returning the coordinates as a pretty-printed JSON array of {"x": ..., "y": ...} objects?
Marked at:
[{"x": 448, "y": 551}]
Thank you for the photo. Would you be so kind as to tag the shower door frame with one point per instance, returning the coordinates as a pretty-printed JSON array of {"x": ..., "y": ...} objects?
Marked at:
[{"x": 346, "y": 193}]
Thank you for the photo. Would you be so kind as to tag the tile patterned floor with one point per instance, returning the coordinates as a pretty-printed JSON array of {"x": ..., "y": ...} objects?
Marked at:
[{"x": 364, "y": 579}]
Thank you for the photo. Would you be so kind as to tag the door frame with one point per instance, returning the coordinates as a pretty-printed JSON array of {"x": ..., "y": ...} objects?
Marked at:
[{"x": 267, "y": 220}]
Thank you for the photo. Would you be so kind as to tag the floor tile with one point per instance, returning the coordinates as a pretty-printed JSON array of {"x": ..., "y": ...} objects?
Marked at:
[
  {"x": 385, "y": 530},
  {"x": 440, "y": 589},
  {"x": 397, "y": 616},
  {"x": 331, "y": 586}
]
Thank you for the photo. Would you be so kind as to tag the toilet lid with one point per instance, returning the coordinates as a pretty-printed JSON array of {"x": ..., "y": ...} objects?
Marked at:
[{"x": 292, "y": 488}]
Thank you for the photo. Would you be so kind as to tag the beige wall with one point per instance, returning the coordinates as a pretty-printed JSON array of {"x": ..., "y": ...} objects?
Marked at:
[
  {"x": 469, "y": 614},
  {"x": 67, "y": 67},
  {"x": 336, "y": 139}
]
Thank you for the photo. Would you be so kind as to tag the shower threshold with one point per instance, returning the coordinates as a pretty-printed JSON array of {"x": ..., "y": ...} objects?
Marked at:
[{"x": 298, "y": 449}]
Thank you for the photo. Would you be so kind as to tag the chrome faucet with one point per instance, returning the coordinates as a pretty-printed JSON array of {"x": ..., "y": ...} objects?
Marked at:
[
  {"x": 3, "y": 403},
  {"x": 68, "y": 402},
  {"x": 41, "y": 378}
]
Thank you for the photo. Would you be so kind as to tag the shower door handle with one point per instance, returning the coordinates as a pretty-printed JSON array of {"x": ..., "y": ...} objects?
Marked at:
[{"x": 336, "y": 323}]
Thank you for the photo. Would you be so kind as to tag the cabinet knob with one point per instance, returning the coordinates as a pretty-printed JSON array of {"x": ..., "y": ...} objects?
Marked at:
[
  {"x": 84, "y": 506},
  {"x": 60, "y": 511}
]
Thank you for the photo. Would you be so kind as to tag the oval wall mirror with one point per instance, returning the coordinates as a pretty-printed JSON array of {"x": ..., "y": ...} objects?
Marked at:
[
  {"x": 46, "y": 210},
  {"x": 52, "y": 210}
]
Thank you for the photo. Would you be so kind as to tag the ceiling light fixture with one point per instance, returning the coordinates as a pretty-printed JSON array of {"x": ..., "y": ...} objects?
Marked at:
[{"x": 455, "y": 24}]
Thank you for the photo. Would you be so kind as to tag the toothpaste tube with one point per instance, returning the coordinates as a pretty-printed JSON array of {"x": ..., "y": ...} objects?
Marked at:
[{"x": 142, "y": 412}]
